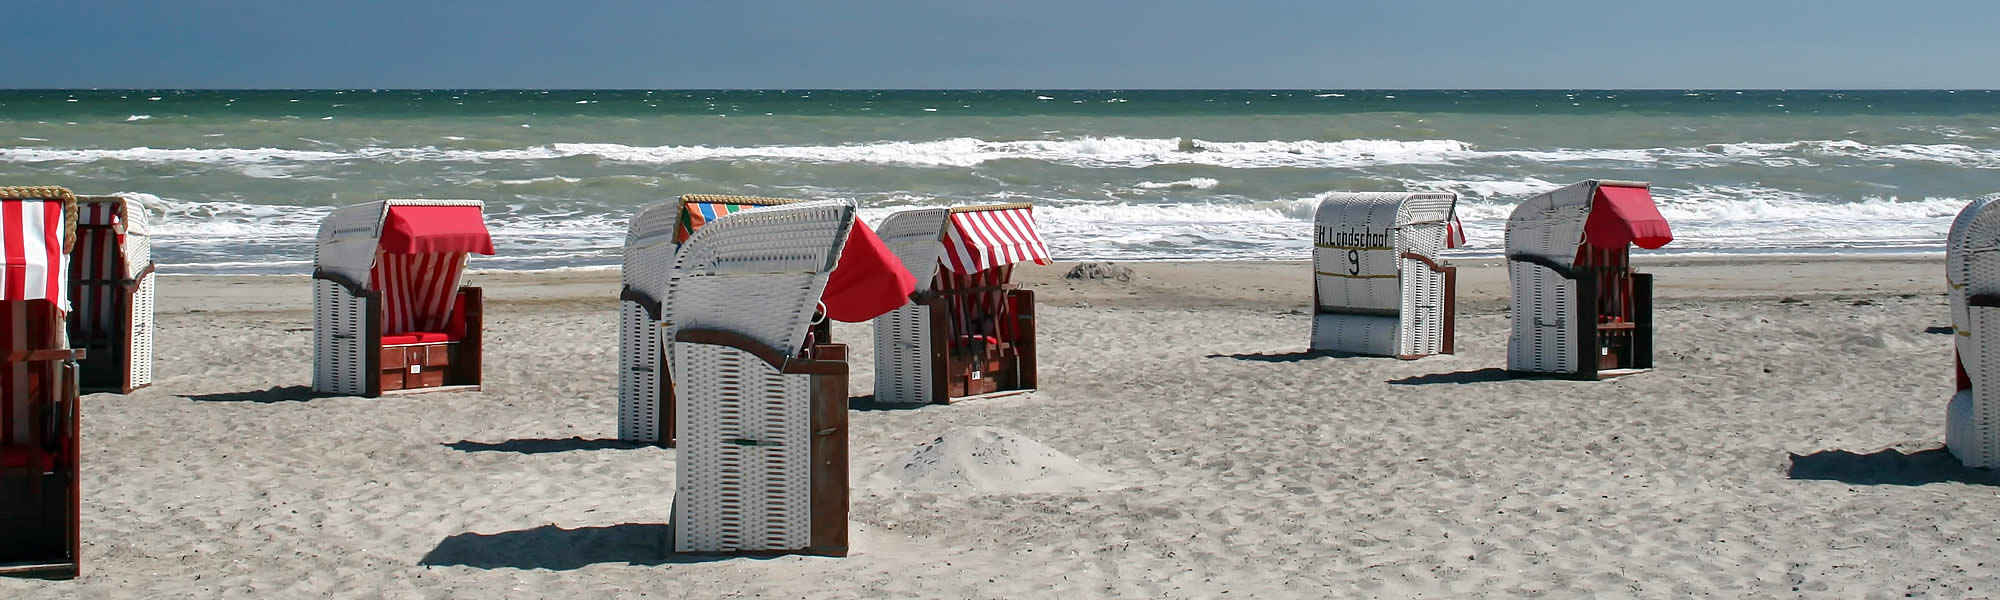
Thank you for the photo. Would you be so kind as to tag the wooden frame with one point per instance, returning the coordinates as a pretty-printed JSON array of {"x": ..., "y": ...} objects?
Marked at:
[
  {"x": 67, "y": 494},
  {"x": 946, "y": 364}
]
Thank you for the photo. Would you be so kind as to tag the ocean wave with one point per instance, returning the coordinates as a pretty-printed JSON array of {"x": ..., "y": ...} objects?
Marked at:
[
  {"x": 1193, "y": 183},
  {"x": 1095, "y": 152}
]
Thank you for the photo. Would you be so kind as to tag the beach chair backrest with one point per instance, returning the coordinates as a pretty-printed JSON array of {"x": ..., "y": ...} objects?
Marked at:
[
  {"x": 758, "y": 273},
  {"x": 113, "y": 246},
  {"x": 916, "y": 237},
  {"x": 1359, "y": 240}
]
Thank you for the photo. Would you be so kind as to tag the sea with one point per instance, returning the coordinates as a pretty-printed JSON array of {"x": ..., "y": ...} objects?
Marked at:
[{"x": 238, "y": 180}]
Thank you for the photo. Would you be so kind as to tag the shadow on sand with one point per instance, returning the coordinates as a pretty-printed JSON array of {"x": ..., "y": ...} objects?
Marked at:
[
  {"x": 545, "y": 446},
  {"x": 868, "y": 403},
  {"x": 1888, "y": 467},
  {"x": 557, "y": 549},
  {"x": 290, "y": 393},
  {"x": 1486, "y": 375}
]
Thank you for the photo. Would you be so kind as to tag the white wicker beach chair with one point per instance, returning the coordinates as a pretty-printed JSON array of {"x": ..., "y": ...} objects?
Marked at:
[
  {"x": 1379, "y": 284},
  {"x": 389, "y": 315},
  {"x": 1972, "y": 270},
  {"x": 111, "y": 286},
  {"x": 968, "y": 331},
  {"x": 1579, "y": 310},
  {"x": 645, "y": 383},
  {"x": 40, "y": 496},
  {"x": 762, "y": 423}
]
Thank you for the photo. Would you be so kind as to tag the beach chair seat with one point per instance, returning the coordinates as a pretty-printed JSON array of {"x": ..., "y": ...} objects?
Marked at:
[
  {"x": 1380, "y": 287},
  {"x": 761, "y": 425},
  {"x": 112, "y": 289},
  {"x": 1579, "y": 309},
  {"x": 389, "y": 313},
  {"x": 967, "y": 330},
  {"x": 40, "y": 490}
]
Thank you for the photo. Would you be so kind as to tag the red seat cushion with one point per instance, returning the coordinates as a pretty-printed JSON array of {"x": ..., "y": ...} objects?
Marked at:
[
  {"x": 415, "y": 337},
  {"x": 29, "y": 457}
]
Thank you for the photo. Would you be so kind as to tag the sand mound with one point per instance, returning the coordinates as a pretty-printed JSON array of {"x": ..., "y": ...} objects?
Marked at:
[{"x": 987, "y": 460}]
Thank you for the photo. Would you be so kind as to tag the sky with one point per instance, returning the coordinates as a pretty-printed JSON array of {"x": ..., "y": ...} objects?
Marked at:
[{"x": 1047, "y": 44}]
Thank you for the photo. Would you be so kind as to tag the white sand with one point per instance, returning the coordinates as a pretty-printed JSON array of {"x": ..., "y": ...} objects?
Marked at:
[
  {"x": 986, "y": 460},
  {"x": 1249, "y": 468}
]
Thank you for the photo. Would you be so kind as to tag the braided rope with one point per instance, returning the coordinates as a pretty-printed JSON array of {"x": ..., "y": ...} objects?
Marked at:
[{"x": 50, "y": 192}]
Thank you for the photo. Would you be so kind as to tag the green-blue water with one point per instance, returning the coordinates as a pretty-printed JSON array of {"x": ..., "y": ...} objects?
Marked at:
[{"x": 240, "y": 178}]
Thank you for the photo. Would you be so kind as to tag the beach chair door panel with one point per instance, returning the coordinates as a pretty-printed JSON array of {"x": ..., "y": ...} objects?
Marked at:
[{"x": 745, "y": 467}]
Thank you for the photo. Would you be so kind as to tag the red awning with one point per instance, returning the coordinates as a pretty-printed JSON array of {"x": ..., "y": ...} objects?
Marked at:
[
  {"x": 431, "y": 229},
  {"x": 1625, "y": 215},
  {"x": 868, "y": 282}
]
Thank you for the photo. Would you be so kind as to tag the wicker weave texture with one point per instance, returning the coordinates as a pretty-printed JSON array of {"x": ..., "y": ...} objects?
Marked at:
[
  {"x": 1544, "y": 310},
  {"x": 744, "y": 471},
  {"x": 640, "y": 366},
  {"x": 744, "y": 479},
  {"x": 340, "y": 322},
  {"x": 1972, "y": 264}
]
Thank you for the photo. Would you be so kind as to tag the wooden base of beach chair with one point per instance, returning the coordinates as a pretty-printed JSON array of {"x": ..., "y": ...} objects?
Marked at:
[
  {"x": 41, "y": 507},
  {"x": 980, "y": 369}
]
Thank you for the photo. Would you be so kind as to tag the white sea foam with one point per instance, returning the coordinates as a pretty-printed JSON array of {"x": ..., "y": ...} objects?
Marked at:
[
  {"x": 1194, "y": 183},
  {"x": 1095, "y": 152},
  {"x": 137, "y": 118}
]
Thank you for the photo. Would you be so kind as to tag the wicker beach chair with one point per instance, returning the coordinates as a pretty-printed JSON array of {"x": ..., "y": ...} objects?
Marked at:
[
  {"x": 645, "y": 383},
  {"x": 1972, "y": 270},
  {"x": 389, "y": 316},
  {"x": 40, "y": 496},
  {"x": 111, "y": 290},
  {"x": 1579, "y": 309},
  {"x": 1379, "y": 284},
  {"x": 968, "y": 331},
  {"x": 762, "y": 414}
]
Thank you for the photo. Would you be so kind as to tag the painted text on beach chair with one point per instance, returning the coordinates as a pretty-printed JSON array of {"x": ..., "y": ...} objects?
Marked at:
[
  {"x": 389, "y": 315},
  {"x": 1579, "y": 310},
  {"x": 1972, "y": 272},
  {"x": 40, "y": 492},
  {"x": 1379, "y": 286},
  {"x": 761, "y": 410},
  {"x": 967, "y": 330},
  {"x": 111, "y": 282}
]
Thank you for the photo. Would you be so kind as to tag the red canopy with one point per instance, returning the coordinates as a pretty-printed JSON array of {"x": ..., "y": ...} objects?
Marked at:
[
  {"x": 432, "y": 229},
  {"x": 1625, "y": 215},
  {"x": 868, "y": 281}
]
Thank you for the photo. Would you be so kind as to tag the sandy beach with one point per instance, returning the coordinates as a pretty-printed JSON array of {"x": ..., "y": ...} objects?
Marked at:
[{"x": 1786, "y": 445}]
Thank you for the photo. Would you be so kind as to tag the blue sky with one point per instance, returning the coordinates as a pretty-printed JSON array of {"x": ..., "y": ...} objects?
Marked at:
[{"x": 1000, "y": 44}]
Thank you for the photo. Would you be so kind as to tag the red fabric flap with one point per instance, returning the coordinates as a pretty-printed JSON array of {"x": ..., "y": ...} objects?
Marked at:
[
  {"x": 1625, "y": 215},
  {"x": 868, "y": 281},
  {"x": 431, "y": 229}
]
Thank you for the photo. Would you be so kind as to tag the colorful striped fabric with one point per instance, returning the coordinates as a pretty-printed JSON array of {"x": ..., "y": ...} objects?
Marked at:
[
  {"x": 31, "y": 231},
  {"x": 696, "y": 214},
  {"x": 978, "y": 240},
  {"x": 418, "y": 290},
  {"x": 97, "y": 268},
  {"x": 981, "y": 313}
]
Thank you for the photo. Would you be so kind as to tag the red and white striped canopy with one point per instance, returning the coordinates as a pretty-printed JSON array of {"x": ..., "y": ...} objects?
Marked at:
[
  {"x": 978, "y": 240},
  {"x": 35, "y": 266}
]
